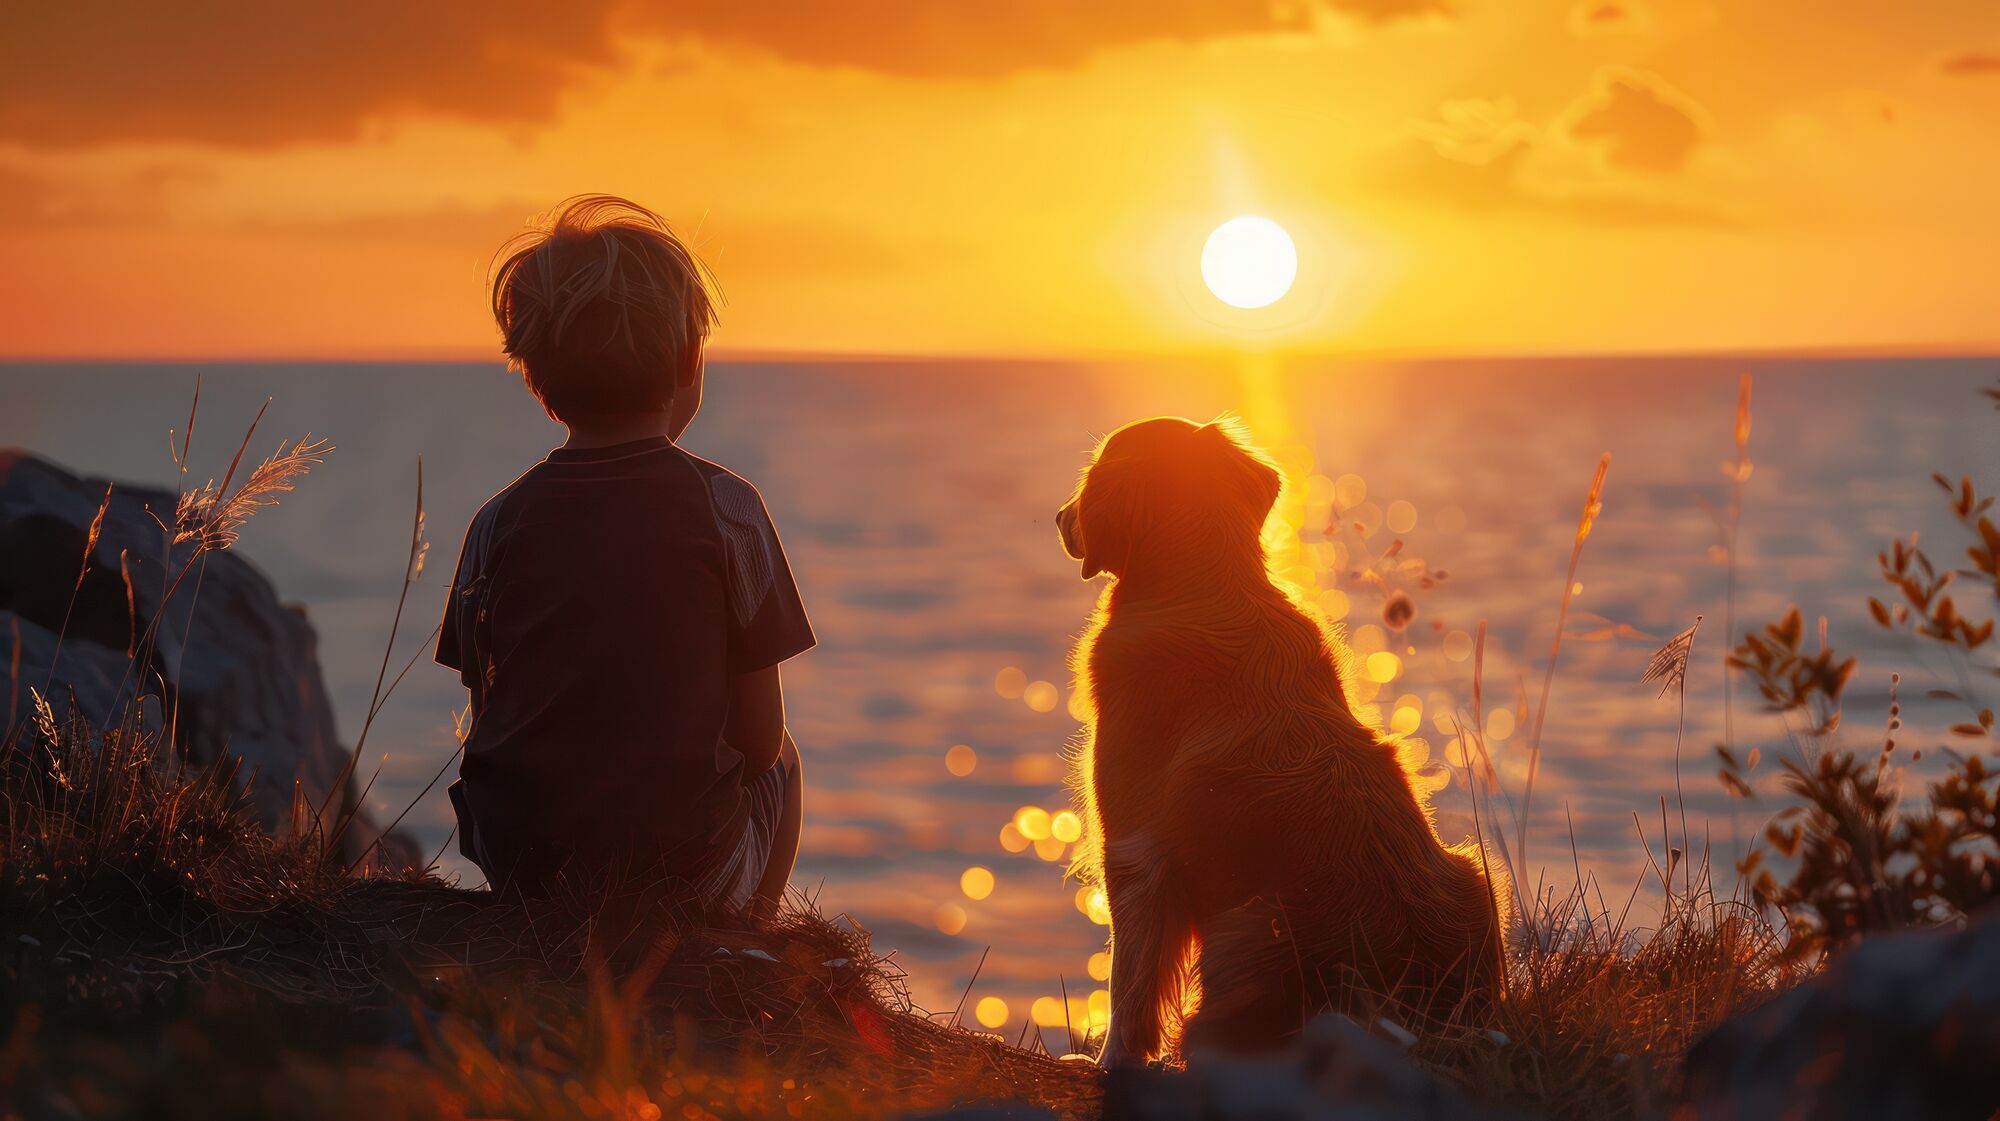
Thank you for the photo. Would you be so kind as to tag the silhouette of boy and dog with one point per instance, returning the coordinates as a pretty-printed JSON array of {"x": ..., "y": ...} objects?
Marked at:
[{"x": 620, "y": 611}]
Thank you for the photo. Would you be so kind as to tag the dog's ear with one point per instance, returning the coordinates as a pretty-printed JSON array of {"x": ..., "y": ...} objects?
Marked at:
[
  {"x": 1106, "y": 542},
  {"x": 1256, "y": 478}
]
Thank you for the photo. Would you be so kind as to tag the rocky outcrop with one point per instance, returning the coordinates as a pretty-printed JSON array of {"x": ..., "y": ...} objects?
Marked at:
[
  {"x": 1899, "y": 1026},
  {"x": 237, "y": 668},
  {"x": 1334, "y": 1071}
]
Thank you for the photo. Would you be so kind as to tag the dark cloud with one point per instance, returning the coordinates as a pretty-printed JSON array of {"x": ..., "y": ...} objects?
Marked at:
[
  {"x": 1639, "y": 121},
  {"x": 252, "y": 74},
  {"x": 1972, "y": 64}
]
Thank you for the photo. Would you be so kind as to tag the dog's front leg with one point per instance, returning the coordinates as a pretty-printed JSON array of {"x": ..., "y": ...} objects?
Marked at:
[{"x": 1149, "y": 936}]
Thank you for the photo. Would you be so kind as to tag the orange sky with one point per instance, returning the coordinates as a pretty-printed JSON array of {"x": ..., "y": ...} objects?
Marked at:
[{"x": 929, "y": 176}]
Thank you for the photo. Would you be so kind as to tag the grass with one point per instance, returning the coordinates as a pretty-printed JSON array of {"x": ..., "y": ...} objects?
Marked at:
[{"x": 164, "y": 955}]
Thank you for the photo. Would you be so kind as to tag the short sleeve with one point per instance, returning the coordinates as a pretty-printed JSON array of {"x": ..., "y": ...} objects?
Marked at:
[
  {"x": 448, "y": 651},
  {"x": 767, "y": 619},
  {"x": 451, "y": 644}
]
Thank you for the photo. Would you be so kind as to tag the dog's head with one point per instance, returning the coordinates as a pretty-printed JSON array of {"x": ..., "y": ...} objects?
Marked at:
[{"x": 1172, "y": 493}]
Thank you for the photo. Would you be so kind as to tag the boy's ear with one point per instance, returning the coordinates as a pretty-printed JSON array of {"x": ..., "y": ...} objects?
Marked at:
[{"x": 690, "y": 370}]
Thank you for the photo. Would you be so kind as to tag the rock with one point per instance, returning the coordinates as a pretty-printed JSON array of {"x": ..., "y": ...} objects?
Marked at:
[
  {"x": 1005, "y": 1111},
  {"x": 241, "y": 666},
  {"x": 1335, "y": 1071},
  {"x": 1900, "y": 1025}
]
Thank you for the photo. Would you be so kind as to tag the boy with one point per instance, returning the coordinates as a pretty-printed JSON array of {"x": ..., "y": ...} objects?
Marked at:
[{"x": 619, "y": 611}]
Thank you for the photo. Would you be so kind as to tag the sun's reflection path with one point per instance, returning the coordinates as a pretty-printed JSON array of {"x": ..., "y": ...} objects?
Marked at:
[{"x": 1323, "y": 531}]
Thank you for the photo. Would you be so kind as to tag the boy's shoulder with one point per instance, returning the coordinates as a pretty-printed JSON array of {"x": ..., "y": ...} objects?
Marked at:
[{"x": 736, "y": 498}]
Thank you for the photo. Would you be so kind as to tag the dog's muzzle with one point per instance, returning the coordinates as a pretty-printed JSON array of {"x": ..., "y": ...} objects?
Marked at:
[{"x": 1072, "y": 537}]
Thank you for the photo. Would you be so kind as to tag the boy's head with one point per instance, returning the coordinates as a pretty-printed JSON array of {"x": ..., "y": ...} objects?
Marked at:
[{"x": 603, "y": 310}]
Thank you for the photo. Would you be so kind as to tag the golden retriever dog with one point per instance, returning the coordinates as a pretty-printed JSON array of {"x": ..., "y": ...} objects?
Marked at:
[{"x": 1263, "y": 851}]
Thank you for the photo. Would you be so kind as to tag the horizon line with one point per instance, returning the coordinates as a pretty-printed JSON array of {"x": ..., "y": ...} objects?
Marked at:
[{"x": 779, "y": 355}]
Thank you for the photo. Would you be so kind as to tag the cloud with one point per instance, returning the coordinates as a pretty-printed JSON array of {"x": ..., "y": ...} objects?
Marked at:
[
  {"x": 32, "y": 200},
  {"x": 1972, "y": 64},
  {"x": 770, "y": 247},
  {"x": 247, "y": 73},
  {"x": 1593, "y": 18},
  {"x": 941, "y": 38},
  {"x": 1639, "y": 121},
  {"x": 1611, "y": 155}
]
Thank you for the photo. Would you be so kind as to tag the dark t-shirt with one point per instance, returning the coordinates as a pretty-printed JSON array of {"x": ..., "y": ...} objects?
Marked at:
[{"x": 601, "y": 605}]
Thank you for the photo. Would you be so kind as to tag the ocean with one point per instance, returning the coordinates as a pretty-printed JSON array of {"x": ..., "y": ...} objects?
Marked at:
[{"x": 916, "y": 501}]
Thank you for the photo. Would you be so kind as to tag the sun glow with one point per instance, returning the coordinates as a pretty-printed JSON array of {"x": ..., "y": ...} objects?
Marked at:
[{"x": 1249, "y": 262}]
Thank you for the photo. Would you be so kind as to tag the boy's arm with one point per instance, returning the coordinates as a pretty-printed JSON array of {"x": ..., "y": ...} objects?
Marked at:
[
  {"x": 756, "y": 726},
  {"x": 766, "y": 620}
]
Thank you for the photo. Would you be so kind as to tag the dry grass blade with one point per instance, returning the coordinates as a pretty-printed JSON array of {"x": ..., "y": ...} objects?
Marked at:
[
  {"x": 82, "y": 571},
  {"x": 90, "y": 538},
  {"x": 1669, "y": 663},
  {"x": 1593, "y": 504},
  {"x": 215, "y": 519},
  {"x": 187, "y": 434},
  {"x": 1669, "y": 667},
  {"x": 1738, "y": 473}
]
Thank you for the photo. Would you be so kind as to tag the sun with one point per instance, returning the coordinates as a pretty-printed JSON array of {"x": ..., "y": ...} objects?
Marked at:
[{"x": 1249, "y": 262}]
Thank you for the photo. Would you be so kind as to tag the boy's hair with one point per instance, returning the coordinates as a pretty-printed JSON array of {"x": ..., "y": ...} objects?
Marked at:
[{"x": 602, "y": 309}]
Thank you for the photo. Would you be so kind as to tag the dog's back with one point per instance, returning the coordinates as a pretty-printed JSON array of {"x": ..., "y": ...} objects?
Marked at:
[{"x": 1314, "y": 876}]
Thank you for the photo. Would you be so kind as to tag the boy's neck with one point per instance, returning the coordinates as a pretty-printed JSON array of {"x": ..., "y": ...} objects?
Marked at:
[{"x": 619, "y": 428}]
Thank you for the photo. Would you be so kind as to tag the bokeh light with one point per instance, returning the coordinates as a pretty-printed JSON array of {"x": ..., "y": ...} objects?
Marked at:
[
  {"x": 1408, "y": 715},
  {"x": 1365, "y": 518},
  {"x": 1458, "y": 646},
  {"x": 1499, "y": 724},
  {"x": 1010, "y": 683},
  {"x": 1349, "y": 491},
  {"x": 961, "y": 760},
  {"x": 1401, "y": 517},
  {"x": 976, "y": 882},
  {"x": 1093, "y": 903},
  {"x": 1066, "y": 827},
  {"x": 991, "y": 1012},
  {"x": 1033, "y": 822},
  {"x": 1383, "y": 667},
  {"x": 949, "y": 917},
  {"x": 1048, "y": 1012},
  {"x": 1100, "y": 966},
  {"x": 1040, "y": 696}
]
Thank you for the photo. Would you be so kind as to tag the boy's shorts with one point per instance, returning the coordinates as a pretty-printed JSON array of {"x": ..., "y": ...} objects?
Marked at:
[
  {"x": 734, "y": 880},
  {"x": 729, "y": 884}
]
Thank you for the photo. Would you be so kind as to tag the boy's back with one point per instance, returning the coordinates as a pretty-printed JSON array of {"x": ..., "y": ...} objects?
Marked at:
[{"x": 602, "y": 605}]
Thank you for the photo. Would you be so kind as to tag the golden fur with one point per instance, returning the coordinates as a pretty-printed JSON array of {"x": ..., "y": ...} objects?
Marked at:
[{"x": 1259, "y": 845}]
